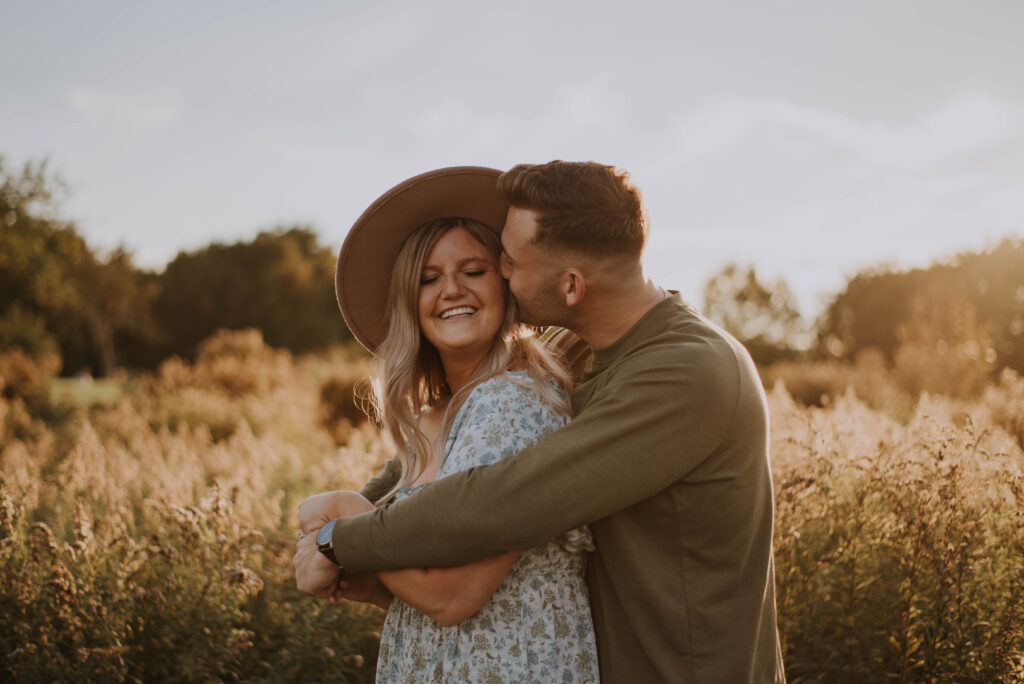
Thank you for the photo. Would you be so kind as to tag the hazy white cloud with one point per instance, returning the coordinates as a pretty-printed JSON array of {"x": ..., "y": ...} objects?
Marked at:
[
  {"x": 147, "y": 110},
  {"x": 962, "y": 126},
  {"x": 455, "y": 121},
  {"x": 584, "y": 110},
  {"x": 817, "y": 195}
]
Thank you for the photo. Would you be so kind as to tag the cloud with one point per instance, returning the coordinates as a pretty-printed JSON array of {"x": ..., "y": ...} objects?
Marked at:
[
  {"x": 962, "y": 126},
  {"x": 818, "y": 195},
  {"x": 145, "y": 110}
]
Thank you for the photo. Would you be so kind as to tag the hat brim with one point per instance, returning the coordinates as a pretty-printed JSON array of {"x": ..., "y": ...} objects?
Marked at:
[{"x": 372, "y": 245}]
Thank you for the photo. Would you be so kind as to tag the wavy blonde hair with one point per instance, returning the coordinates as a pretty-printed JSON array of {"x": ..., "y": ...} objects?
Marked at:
[{"x": 410, "y": 376}]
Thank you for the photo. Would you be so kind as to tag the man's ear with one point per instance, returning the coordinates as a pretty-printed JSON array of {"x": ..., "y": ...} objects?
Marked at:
[{"x": 574, "y": 286}]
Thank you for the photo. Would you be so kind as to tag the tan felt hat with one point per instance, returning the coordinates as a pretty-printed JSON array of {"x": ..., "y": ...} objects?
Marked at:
[{"x": 372, "y": 245}]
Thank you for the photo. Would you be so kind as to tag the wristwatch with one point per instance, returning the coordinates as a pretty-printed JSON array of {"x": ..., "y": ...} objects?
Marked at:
[{"x": 325, "y": 541}]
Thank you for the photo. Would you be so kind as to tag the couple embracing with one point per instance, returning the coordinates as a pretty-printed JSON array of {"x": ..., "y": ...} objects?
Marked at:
[{"x": 594, "y": 504}]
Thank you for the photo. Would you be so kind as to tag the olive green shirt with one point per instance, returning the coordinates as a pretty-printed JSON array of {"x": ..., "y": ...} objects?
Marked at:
[{"x": 667, "y": 460}]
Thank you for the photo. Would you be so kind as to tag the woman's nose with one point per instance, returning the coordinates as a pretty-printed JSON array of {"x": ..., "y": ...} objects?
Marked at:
[{"x": 452, "y": 287}]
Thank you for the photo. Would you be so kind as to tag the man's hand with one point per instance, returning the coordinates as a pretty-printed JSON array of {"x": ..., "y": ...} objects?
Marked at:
[
  {"x": 314, "y": 574},
  {"x": 318, "y": 509}
]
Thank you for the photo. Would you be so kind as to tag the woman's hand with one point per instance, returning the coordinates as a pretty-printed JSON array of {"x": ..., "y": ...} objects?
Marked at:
[
  {"x": 318, "y": 509},
  {"x": 363, "y": 587},
  {"x": 314, "y": 573}
]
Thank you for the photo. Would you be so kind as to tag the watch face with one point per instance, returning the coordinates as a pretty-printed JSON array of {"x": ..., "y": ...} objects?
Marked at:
[{"x": 323, "y": 537}]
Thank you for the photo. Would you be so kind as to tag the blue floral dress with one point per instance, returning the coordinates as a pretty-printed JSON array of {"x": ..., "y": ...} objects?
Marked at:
[{"x": 537, "y": 625}]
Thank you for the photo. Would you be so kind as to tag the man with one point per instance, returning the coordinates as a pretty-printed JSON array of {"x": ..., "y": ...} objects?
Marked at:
[{"x": 666, "y": 457}]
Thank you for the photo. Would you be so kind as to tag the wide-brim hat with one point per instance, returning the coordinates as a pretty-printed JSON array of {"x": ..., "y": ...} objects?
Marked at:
[{"x": 372, "y": 245}]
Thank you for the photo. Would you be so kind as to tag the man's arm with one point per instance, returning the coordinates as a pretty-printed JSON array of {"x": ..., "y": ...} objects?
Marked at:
[
  {"x": 651, "y": 425},
  {"x": 447, "y": 595}
]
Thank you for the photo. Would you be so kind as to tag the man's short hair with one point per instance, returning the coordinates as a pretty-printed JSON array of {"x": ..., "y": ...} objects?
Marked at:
[{"x": 583, "y": 207}]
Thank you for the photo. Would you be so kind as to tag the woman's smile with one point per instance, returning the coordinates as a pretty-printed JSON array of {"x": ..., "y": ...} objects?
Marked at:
[
  {"x": 461, "y": 298},
  {"x": 457, "y": 311}
]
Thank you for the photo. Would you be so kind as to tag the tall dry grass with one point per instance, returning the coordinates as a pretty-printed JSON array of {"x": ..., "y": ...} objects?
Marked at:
[
  {"x": 899, "y": 548},
  {"x": 151, "y": 540}
]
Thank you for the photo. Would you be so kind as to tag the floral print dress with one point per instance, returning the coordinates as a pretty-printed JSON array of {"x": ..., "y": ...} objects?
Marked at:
[{"x": 537, "y": 625}]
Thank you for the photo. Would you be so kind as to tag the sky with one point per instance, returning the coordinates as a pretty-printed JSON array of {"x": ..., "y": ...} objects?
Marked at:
[{"x": 809, "y": 139}]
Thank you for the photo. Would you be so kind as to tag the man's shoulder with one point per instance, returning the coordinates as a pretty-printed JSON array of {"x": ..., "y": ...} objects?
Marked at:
[
  {"x": 690, "y": 354},
  {"x": 684, "y": 337}
]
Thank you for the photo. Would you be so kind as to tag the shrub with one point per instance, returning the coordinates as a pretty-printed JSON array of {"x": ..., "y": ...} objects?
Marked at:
[
  {"x": 820, "y": 383},
  {"x": 900, "y": 550},
  {"x": 1004, "y": 403},
  {"x": 173, "y": 593},
  {"x": 151, "y": 539},
  {"x": 26, "y": 377}
]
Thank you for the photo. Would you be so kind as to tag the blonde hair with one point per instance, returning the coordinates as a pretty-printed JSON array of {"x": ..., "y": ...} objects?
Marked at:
[{"x": 410, "y": 375}]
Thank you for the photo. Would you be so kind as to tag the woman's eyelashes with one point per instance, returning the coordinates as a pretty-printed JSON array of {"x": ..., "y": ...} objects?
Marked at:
[{"x": 471, "y": 272}]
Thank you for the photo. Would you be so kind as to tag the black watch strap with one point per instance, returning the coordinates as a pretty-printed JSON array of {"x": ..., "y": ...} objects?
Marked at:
[{"x": 325, "y": 541}]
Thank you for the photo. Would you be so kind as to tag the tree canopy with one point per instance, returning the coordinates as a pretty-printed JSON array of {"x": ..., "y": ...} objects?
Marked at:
[
  {"x": 763, "y": 315},
  {"x": 58, "y": 296},
  {"x": 282, "y": 283},
  {"x": 975, "y": 300}
]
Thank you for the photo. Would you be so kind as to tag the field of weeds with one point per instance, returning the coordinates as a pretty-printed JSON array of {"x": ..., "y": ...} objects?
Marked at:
[{"x": 148, "y": 537}]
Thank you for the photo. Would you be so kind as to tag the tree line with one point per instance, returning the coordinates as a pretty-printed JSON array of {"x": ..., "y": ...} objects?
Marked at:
[
  {"x": 99, "y": 311},
  {"x": 967, "y": 309},
  {"x": 59, "y": 296}
]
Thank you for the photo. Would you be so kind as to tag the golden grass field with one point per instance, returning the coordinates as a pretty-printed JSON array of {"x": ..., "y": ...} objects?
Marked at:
[{"x": 147, "y": 524}]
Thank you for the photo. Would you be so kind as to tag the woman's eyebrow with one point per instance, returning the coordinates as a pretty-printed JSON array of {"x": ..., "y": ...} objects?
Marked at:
[{"x": 475, "y": 258}]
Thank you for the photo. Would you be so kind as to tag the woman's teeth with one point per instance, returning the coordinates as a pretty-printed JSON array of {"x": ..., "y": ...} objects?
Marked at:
[{"x": 455, "y": 312}]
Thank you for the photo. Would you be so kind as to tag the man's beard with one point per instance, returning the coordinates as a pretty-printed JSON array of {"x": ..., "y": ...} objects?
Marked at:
[{"x": 542, "y": 310}]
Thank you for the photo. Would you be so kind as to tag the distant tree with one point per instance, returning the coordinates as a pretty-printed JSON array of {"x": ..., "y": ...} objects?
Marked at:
[
  {"x": 55, "y": 293},
  {"x": 116, "y": 313},
  {"x": 878, "y": 307},
  {"x": 993, "y": 281},
  {"x": 763, "y": 315},
  {"x": 282, "y": 283},
  {"x": 34, "y": 251},
  {"x": 867, "y": 314},
  {"x": 944, "y": 348}
]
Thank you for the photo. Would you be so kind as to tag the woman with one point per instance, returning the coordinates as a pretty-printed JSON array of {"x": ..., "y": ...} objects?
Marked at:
[{"x": 463, "y": 384}]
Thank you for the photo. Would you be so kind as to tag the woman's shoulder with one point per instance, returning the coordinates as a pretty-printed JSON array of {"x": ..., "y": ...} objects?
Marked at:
[
  {"x": 514, "y": 386},
  {"x": 511, "y": 395},
  {"x": 501, "y": 416}
]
